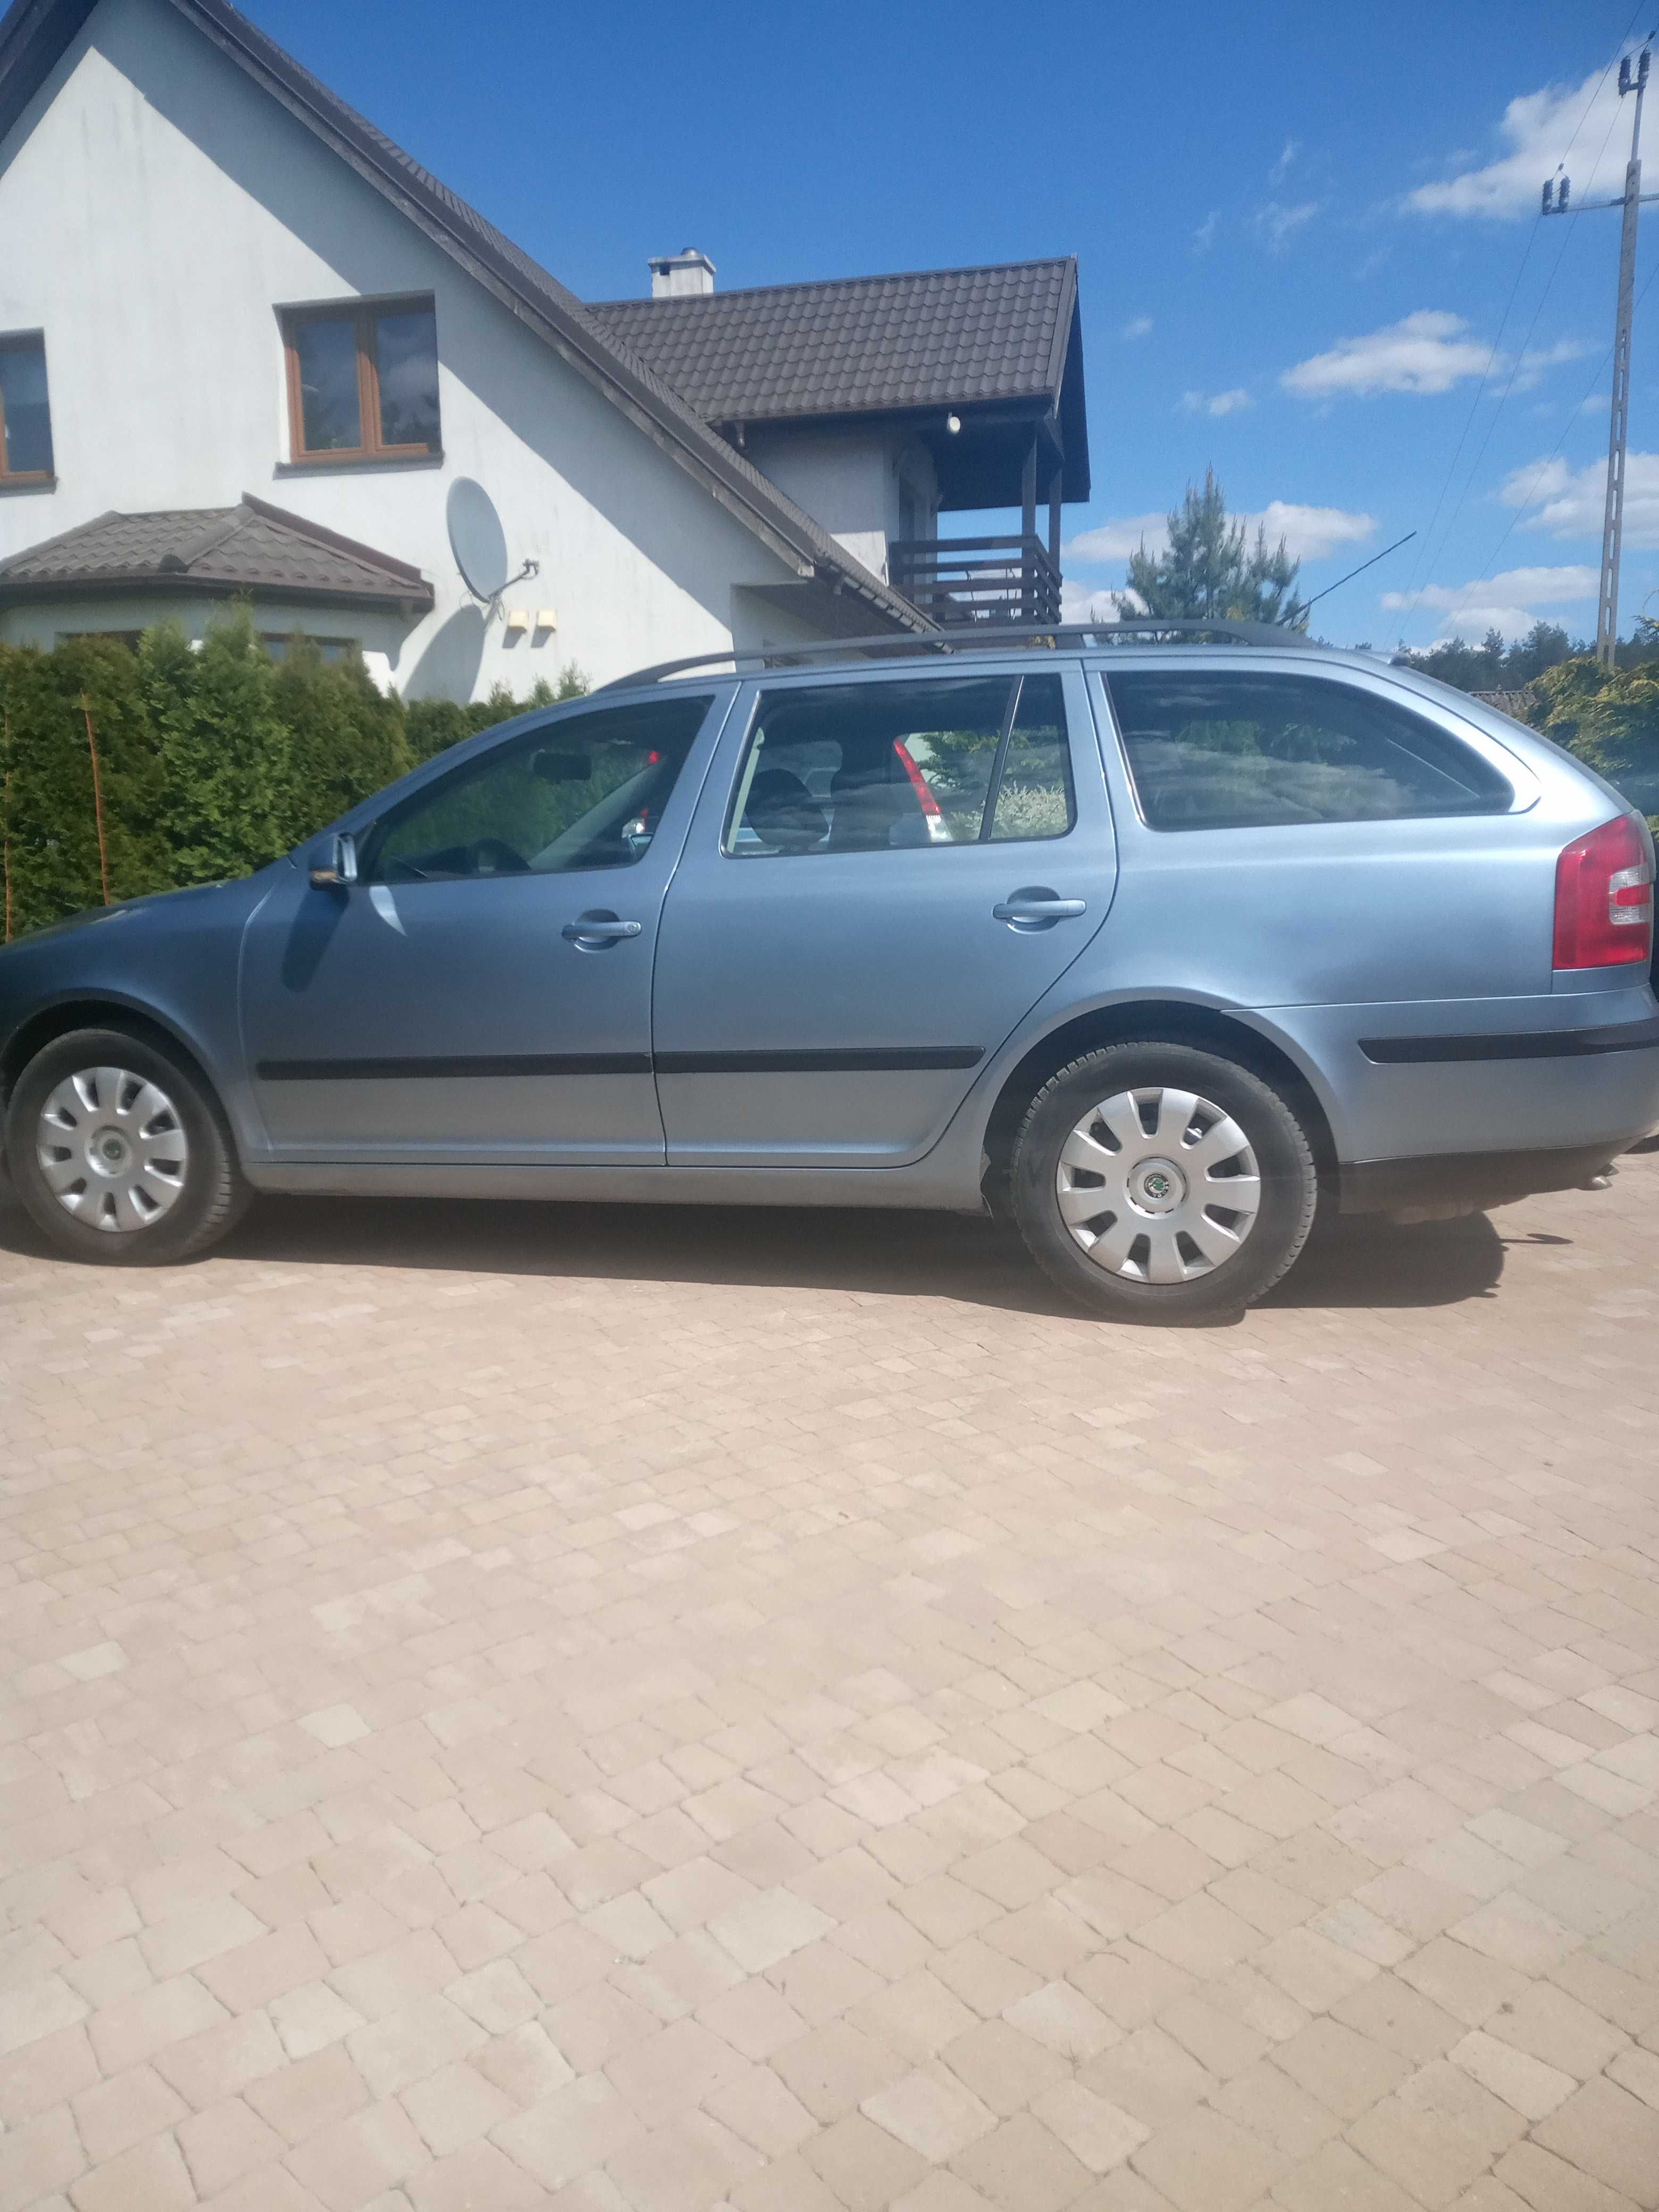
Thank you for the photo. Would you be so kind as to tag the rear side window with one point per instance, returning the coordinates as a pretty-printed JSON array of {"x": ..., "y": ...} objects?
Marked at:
[
  {"x": 863, "y": 767},
  {"x": 1225, "y": 751}
]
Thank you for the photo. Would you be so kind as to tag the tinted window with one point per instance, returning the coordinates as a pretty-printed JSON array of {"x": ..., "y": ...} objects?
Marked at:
[
  {"x": 1225, "y": 750},
  {"x": 584, "y": 793},
  {"x": 861, "y": 768},
  {"x": 25, "y": 418}
]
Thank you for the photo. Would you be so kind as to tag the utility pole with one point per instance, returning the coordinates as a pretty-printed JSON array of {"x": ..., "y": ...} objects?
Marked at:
[{"x": 1631, "y": 79}]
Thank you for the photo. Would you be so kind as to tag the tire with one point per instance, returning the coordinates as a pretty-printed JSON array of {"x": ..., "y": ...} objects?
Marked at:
[
  {"x": 1163, "y": 1244},
  {"x": 120, "y": 1152}
]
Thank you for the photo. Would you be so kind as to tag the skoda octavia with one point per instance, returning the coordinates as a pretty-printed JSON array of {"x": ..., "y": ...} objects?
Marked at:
[{"x": 1155, "y": 947}]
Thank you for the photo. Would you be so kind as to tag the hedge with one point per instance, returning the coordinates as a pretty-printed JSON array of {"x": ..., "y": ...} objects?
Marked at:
[
  {"x": 1610, "y": 719},
  {"x": 208, "y": 762}
]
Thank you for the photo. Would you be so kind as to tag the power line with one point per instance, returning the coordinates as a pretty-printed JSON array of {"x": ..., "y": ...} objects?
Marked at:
[
  {"x": 1630, "y": 204},
  {"x": 1523, "y": 498},
  {"x": 1425, "y": 551}
]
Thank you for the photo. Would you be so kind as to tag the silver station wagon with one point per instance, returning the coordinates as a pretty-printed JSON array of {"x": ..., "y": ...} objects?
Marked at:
[{"x": 1155, "y": 946}]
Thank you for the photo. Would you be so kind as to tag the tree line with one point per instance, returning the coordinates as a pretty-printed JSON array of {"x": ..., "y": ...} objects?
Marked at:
[{"x": 123, "y": 771}]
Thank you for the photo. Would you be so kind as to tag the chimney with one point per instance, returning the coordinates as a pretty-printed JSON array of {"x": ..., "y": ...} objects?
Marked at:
[{"x": 683, "y": 276}]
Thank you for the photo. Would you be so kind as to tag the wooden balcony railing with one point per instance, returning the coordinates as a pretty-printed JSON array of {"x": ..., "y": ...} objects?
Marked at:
[{"x": 968, "y": 579}]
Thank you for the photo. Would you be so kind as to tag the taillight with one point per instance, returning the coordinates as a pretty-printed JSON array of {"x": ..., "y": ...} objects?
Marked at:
[{"x": 1604, "y": 898}]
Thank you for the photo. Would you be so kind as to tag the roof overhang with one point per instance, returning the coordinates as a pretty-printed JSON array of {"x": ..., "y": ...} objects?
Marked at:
[{"x": 164, "y": 583}]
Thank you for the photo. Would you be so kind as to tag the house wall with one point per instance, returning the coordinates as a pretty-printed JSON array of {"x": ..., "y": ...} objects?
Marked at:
[
  {"x": 156, "y": 208},
  {"x": 43, "y": 622},
  {"x": 850, "y": 479}
]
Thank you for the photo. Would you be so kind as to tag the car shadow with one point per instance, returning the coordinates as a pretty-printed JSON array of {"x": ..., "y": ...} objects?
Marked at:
[{"x": 901, "y": 1254}]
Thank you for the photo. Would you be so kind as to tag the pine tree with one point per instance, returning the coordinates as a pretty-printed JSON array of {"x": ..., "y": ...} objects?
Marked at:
[
  {"x": 346, "y": 740},
  {"x": 222, "y": 749},
  {"x": 1211, "y": 569}
]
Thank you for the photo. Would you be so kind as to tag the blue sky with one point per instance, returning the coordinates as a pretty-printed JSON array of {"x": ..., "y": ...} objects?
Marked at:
[{"x": 1310, "y": 254}]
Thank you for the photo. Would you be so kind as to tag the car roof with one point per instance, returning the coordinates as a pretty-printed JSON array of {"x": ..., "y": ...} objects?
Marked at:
[{"x": 987, "y": 641}]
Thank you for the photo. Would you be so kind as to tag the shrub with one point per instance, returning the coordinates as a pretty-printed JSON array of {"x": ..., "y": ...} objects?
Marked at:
[
  {"x": 211, "y": 762},
  {"x": 1610, "y": 719}
]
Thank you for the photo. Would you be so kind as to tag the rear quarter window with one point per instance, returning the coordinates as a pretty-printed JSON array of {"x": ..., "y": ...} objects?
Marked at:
[{"x": 1225, "y": 751}]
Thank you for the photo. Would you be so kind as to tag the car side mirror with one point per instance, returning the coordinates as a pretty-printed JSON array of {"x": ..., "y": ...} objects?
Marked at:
[{"x": 339, "y": 871}]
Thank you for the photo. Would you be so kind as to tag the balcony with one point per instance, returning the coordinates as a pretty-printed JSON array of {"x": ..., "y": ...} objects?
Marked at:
[{"x": 976, "y": 580}]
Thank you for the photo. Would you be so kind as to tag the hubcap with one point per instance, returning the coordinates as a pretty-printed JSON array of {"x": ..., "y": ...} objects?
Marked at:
[
  {"x": 112, "y": 1149},
  {"x": 1157, "y": 1186}
]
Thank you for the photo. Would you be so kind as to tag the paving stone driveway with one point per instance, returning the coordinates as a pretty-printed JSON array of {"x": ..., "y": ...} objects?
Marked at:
[{"x": 533, "y": 1708}]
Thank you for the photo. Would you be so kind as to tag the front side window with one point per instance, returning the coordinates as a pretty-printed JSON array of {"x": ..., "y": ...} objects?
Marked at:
[
  {"x": 862, "y": 768},
  {"x": 362, "y": 381},
  {"x": 585, "y": 793},
  {"x": 1227, "y": 750},
  {"x": 25, "y": 416}
]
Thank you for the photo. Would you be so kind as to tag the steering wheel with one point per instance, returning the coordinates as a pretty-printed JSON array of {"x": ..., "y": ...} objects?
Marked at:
[{"x": 493, "y": 856}]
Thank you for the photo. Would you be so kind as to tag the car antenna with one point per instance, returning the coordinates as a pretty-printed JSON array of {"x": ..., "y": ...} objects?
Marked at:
[{"x": 1301, "y": 607}]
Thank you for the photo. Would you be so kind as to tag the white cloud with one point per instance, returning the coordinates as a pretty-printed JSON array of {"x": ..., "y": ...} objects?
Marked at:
[
  {"x": 1217, "y": 402},
  {"x": 1140, "y": 326},
  {"x": 1475, "y": 622},
  {"x": 1570, "y": 503},
  {"x": 1204, "y": 236},
  {"x": 1118, "y": 540},
  {"x": 1537, "y": 132},
  {"x": 1530, "y": 587},
  {"x": 1429, "y": 351},
  {"x": 1529, "y": 369},
  {"x": 1277, "y": 224},
  {"x": 1077, "y": 604},
  {"x": 1310, "y": 533},
  {"x": 1292, "y": 147},
  {"x": 1424, "y": 353}
]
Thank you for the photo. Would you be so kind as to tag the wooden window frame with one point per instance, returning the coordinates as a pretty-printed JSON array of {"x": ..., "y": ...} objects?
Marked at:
[
  {"x": 363, "y": 313},
  {"x": 10, "y": 479}
]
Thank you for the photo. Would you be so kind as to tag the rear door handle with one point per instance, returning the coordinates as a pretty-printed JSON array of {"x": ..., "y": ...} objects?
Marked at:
[
  {"x": 1037, "y": 909},
  {"x": 592, "y": 930}
]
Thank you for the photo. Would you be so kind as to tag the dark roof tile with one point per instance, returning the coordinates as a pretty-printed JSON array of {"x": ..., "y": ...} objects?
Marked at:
[
  {"x": 219, "y": 550},
  {"x": 938, "y": 337}
]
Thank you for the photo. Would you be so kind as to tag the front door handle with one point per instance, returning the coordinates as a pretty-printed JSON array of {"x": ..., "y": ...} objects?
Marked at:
[
  {"x": 599, "y": 928},
  {"x": 1037, "y": 907}
]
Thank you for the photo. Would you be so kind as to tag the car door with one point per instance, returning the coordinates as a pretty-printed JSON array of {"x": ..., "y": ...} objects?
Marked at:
[
  {"x": 483, "y": 992},
  {"x": 886, "y": 870}
]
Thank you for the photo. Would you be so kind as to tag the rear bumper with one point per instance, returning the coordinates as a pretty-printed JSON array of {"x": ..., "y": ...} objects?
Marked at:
[
  {"x": 1469, "y": 1182},
  {"x": 1480, "y": 1079}
]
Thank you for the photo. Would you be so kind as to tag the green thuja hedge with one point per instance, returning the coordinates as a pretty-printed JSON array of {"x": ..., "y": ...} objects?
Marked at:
[{"x": 210, "y": 762}]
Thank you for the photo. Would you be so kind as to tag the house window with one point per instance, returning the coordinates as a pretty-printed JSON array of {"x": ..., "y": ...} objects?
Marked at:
[
  {"x": 25, "y": 418},
  {"x": 362, "y": 381},
  {"x": 280, "y": 643}
]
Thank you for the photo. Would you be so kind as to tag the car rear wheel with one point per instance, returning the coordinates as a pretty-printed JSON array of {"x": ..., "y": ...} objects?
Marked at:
[
  {"x": 1155, "y": 1183},
  {"x": 120, "y": 1152}
]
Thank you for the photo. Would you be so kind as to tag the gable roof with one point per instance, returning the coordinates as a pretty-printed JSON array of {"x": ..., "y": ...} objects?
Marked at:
[
  {"x": 35, "y": 33},
  {"x": 217, "y": 552},
  {"x": 933, "y": 339}
]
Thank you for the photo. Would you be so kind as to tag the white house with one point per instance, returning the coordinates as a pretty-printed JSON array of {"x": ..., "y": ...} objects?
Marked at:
[{"x": 248, "y": 348}]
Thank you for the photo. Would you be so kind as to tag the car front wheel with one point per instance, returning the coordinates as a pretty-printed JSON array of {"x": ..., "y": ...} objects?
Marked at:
[
  {"x": 119, "y": 1152},
  {"x": 1156, "y": 1182}
]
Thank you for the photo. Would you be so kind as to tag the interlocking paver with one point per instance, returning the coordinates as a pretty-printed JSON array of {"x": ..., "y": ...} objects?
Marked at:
[{"x": 540, "y": 1707}]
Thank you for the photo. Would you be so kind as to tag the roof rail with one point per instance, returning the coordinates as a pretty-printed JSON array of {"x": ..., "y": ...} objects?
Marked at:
[{"x": 970, "y": 637}]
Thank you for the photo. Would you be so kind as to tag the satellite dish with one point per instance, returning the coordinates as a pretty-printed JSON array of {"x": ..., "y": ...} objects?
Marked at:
[{"x": 477, "y": 539}]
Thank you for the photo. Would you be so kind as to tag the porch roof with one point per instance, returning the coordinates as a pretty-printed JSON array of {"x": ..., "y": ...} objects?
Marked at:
[
  {"x": 1000, "y": 347},
  {"x": 217, "y": 552}
]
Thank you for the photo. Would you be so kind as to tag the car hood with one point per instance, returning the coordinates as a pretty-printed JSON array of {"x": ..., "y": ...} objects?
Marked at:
[{"x": 213, "y": 900}]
